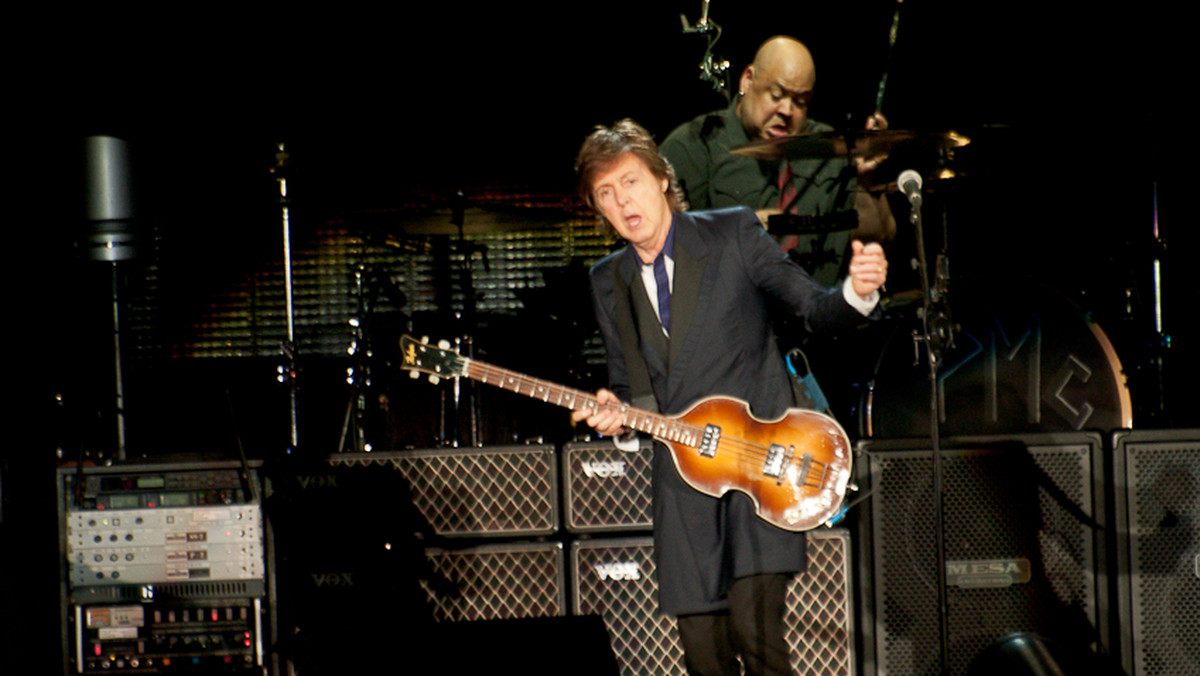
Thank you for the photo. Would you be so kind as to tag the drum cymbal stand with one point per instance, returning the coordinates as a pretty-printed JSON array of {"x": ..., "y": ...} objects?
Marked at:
[
  {"x": 1161, "y": 340},
  {"x": 358, "y": 374},
  {"x": 713, "y": 70},
  {"x": 286, "y": 371},
  {"x": 462, "y": 399},
  {"x": 937, "y": 336}
]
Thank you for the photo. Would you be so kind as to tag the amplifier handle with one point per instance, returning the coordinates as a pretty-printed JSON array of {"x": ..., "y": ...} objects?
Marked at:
[
  {"x": 258, "y": 643},
  {"x": 78, "y": 639}
]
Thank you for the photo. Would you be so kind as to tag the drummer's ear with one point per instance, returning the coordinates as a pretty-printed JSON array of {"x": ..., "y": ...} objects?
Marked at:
[{"x": 747, "y": 78}]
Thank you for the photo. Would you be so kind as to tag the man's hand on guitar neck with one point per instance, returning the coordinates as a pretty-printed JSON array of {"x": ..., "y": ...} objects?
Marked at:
[{"x": 607, "y": 421}]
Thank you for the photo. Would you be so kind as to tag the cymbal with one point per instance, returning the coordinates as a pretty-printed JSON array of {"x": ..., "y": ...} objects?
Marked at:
[{"x": 829, "y": 144}]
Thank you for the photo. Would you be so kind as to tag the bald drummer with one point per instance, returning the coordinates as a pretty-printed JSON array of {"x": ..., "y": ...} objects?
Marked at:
[{"x": 774, "y": 95}]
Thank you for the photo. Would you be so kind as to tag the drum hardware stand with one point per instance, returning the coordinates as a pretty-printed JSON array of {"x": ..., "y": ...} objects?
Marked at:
[
  {"x": 287, "y": 370},
  {"x": 937, "y": 335},
  {"x": 358, "y": 374},
  {"x": 1162, "y": 339},
  {"x": 461, "y": 345},
  {"x": 892, "y": 33},
  {"x": 462, "y": 397},
  {"x": 713, "y": 71},
  {"x": 369, "y": 284}
]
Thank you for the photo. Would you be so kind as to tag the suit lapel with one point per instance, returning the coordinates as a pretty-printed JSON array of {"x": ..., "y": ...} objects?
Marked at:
[
  {"x": 690, "y": 252},
  {"x": 649, "y": 330}
]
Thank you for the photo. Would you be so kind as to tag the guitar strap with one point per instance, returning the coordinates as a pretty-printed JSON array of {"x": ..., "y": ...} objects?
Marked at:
[{"x": 641, "y": 392}]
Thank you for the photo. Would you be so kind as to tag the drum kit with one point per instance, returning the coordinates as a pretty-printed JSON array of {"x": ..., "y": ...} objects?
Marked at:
[
  {"x": 989, "y": 368},
  {"x": 981, "y": 357}
]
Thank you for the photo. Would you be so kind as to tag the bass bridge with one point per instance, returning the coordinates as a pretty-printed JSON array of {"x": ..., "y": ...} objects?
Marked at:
[{"x": 779, "y": 457}]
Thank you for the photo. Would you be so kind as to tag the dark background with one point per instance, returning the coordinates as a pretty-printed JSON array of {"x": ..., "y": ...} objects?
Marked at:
[{"x": 1076, "y": 115}]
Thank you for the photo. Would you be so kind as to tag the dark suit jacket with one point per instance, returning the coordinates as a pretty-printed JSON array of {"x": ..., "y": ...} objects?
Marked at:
[{"x": 729, "y": 276}]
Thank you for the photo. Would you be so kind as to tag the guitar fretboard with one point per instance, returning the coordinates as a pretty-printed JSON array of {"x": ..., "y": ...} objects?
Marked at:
[{"x": 662, "y": 427}]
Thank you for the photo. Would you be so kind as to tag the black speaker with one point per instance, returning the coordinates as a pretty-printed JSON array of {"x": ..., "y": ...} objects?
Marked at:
[
  {"x": 1157, "y": 487},
  {"x": 1024, "y": 548}
]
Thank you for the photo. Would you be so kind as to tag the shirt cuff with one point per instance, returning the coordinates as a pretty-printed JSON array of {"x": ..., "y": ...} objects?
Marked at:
[
  {"x": 627, "y": 441},
  {"x": 865, "y": 307}
]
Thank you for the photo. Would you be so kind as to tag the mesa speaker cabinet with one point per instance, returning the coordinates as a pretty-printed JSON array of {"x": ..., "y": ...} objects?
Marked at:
[
  {"x": 502, "y": 491},
  {"x": 1157, "y": 488},
  {"x": 606, "y": 489},
  {"x": 1024, "y": 518},
  {"x": 616, "y": 580}
]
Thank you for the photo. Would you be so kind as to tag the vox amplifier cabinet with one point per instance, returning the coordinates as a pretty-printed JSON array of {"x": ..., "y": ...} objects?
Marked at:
[
  {"x": 496, "y": 582},
  {"x": 416, "y": 610},
  {"x": 606, "y": 489},
  {"x": 501, "y": 491},
  {"x": 1158, "y": 550},
  {"x": 820, "y": 607},
  {"x": 615, "y": 578},
  {"x": 164, "y": 568}
]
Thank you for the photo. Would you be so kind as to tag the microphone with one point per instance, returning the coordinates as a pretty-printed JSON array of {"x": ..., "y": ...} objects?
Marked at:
[{"x": 910, "y": 185}]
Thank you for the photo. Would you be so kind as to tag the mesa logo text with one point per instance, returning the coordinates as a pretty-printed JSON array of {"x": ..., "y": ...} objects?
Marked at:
[{"x": 988, "y": 573}]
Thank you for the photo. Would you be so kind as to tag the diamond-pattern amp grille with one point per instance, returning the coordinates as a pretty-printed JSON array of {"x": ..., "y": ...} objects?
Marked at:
[
  {"x": 494, "y": 492},
  {"x": 819, "y": 611},
  {"x": 497, "y": 582},
  {"x": 615, "y": 579},
  {"x": 606, "y": 488}
]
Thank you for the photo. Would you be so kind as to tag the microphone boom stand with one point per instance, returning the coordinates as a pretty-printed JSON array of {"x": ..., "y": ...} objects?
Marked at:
[{"x": 937, "y": 336}]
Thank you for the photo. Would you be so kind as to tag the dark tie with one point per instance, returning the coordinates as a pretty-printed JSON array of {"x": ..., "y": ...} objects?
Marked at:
[{"x": 664, "y": 291}]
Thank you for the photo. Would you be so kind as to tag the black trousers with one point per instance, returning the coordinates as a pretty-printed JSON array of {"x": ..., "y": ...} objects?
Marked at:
[{"x": 751, "y": 629}]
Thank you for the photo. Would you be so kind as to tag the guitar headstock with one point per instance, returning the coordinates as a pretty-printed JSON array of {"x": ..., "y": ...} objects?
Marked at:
[{"x": 438, "y": 362}]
